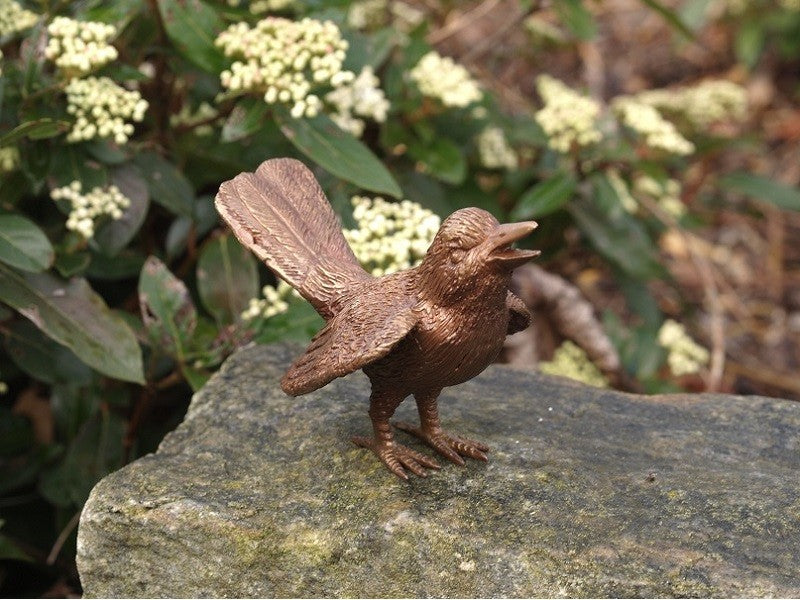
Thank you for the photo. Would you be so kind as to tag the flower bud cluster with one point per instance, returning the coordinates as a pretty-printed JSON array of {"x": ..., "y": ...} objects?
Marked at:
[
  {"x": 285, "y": 61},
  {"x": 567, "y": 117},
  {"x": 570, "y": 360},
  {"x": 273, "y": 302},
  {"x": 90, "y": 208},
  {"x": 14, "y": 18},
  {"x": 702, "y": 105},
  {"x": 102, "y": 109},
  {"x": 626, "y": 199},
  {"x": 362, "y": 97},
  {"x": 666, "y": 193},
  {"x": 685, "y": 355},
  {"x": 259, "y": 7},
  {"x": 391, "y": 236},
  {"x": 404, "y": 16},
  {"x": 198, "y": 119},
  {"x": 367, "y": 14},
  {"x": 658, "y": 133},
  {"x": 494, "y": 150},
  {"x": 78, "y": 47},
  {"x": 9, "y": 159},
  {"x": 440, "y": 77}
]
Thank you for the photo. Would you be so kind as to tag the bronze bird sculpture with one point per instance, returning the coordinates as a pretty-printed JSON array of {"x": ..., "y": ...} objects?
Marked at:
[{"x": 413, "y": 332}]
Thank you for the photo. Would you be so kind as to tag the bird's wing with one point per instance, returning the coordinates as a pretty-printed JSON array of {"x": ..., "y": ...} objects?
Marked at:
[
  {"x": 520, "y": 317},
  {"x": 365, "y": 330},
  {"x": 281, "y": 214}
]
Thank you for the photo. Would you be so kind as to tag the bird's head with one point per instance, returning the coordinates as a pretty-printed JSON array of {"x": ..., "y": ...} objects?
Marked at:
[{"x": 472, "y": 252}]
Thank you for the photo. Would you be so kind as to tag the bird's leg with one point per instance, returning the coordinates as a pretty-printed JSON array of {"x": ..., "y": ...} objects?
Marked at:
[
  {"x": 395, "y": 456},
  {"x": 430, "y": 431}
]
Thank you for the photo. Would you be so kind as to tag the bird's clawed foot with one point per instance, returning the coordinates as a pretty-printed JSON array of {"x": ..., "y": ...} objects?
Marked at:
[
  {"x": 396, "y": 456},
  {"x": 452, "y": 447}
]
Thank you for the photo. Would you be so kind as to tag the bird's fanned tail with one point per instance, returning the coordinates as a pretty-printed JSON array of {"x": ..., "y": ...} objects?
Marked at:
[{"x": 281, "y": 214}]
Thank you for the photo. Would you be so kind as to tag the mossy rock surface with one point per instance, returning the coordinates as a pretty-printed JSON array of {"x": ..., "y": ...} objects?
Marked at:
[{"x": 588, "y": 492}]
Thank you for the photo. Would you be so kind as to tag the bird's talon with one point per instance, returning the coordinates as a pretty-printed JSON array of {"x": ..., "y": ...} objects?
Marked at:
[
  {"x": 396, "y": 456},
  {"x": 450, "y": 446}
]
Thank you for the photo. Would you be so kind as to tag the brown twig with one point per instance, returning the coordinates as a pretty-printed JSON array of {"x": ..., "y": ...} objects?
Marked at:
[
  {"x": 767, "y": 375},
  {"x": 462, "y": 21},
  {"x": 62, "y": 538}
]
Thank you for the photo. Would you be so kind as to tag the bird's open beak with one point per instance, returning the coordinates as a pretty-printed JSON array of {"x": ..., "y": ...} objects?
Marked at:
[{"x": 500, "y": 241}]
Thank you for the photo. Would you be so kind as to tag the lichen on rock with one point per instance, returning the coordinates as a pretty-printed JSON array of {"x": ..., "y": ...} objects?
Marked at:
[{"x": 588, "y": 492}]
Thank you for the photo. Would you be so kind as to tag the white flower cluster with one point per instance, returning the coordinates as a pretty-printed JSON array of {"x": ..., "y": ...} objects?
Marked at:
[
  {"x": 196, "y": 119},
  {"x": 440, "y": 77},
  {"x": 78, "y": 47},
  {"x": 570, "y": 360},
  {"x": 366, "y": 14},
  {"x": 3, "y": 387},
  {"x": 89, "y": 208},
  {"x": 273, "y": 302},
  {"x": 627, "y": 200},
  {"x": 9, "y": 159},
  {"x": 568, "y": 118},
  {"x": 666, "y": 193},
  {"x": 405, "y": 17},
  {"x": 102, "y": 109},
  {"x": 363, "y": 97},
  {"x": 285, "y": 60},
  {"x": 685, "y": 355},
  {"x": 702, "y": 105},
  {"x": 14, "y": 18},
  {"x": 495, "y": 151},
  {"x": 390, "y": 236},
  {"x": 258, "y": 7},
  {"x": 658, "y": 133}
]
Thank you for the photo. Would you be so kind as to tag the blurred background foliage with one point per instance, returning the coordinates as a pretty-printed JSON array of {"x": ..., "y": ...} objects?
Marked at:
[{"x": 656, "y": 142}]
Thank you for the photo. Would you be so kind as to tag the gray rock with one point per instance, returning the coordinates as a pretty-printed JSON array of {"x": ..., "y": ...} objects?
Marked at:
[{"x": 588, "y": 492}]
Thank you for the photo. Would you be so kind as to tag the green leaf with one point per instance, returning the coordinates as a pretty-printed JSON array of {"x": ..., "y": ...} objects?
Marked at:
[
  {"x": 17, "y": 433},
  {"x": 25, "y": 470},
  {"x": 575, "y": 16},
  {"x": 338, "y": 152},
  {"x": 72, "y": 264},
  {"x": 35, "y": 130},
  {"x": 167, "y": 185},
  {"x": 9, "y": 550},
  {"x": 95, "y": 452},
  {"x": 441, "y": 158},
  {"x": 196, "y": 378},
  {"x": 125, "y": 265},
  {"x": 299, "y": 323},
  {"x": 41, "y": 357},
  {"x": 764, "y": 189},
  {"x": 192, "y": 26},
  {"x": 246, "y": 118},
  {"x": 617, "y": 235},
  {"x": 23, "y": 245},
  {"x": 73, "y": 315},
  {"x": 114, "y": 235},
  {"x": 205, "y": 218},
  {"x": 167, "y": 309},
  {"x": 621, "y": 242},
  {"x": 368, "y": 49},
  {"x": 227, "y": 278},
  {"x": 545, "y": 197},
  {"x": 671, "y": 17},
  {"x": 72, "y": 163}
]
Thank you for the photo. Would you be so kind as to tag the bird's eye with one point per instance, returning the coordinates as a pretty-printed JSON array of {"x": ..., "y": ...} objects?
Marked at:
[{"x": 456, "y": 255}]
